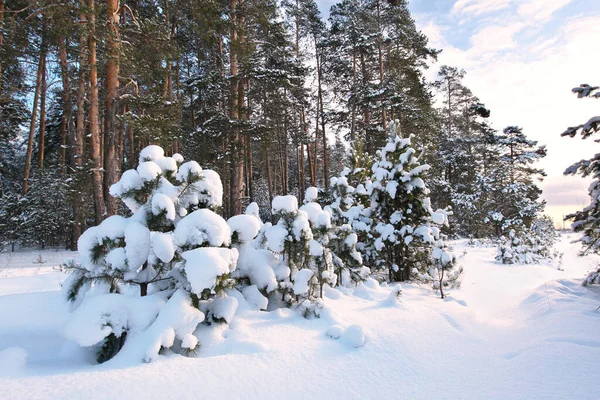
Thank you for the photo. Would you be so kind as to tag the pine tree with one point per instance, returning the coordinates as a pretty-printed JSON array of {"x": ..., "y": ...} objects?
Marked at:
[
  {"x": 587, "y": 220},
  {"x": 172, "y": 241},
  {"x": 405, "y": 231}
]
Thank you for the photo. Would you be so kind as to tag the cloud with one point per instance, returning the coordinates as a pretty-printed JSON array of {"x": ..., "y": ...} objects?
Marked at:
[
  {"x": 524, "y": 73},
  {"x": 540, "y": 10},
  {"x": 479, "y": 7}
]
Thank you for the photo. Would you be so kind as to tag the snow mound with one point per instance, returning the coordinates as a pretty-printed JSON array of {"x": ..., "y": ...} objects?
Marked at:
[
  {"x": 12, "y": 360},
  {"x": 352, "y": 336}
]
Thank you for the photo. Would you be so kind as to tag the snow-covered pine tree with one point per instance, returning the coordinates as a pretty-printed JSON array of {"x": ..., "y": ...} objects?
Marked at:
[
  {"x": 321, "y": 261},
  {"x": 445, "y": 270},
  {"x": 351, "y": 202},
  {"x": 257, "y": 267},
  {"x": 405, "y": 230},
  {"x": 291, "y": 240},
  {"x": 173, "y": 249},
  {"x": 347, "y": 219},
  {"x": 587, "y": 221}
]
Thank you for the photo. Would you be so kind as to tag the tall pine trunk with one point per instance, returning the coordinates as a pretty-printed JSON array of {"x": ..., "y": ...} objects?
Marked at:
[
  {"x": 111, "y": 163},
  {"x": 34, "y": 111},
  {"x": 42, "y": 130},
  {"x": 93, "y": 117},
  {"x": 68, "y": 137},
  {"x": 322, "y": 112},
  {"x": 237, "y": 162},
  {"x": 1, "y": 34},
  {"x": 380, "y": 54}
]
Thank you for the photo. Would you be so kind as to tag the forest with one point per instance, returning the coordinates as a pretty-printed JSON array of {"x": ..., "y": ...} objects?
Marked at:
[{"x": 268, "y": 94}]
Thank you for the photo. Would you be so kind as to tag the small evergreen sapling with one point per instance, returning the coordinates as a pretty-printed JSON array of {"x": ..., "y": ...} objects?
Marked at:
[
  {"x": 406, "y": 228},
  {"x": 173, "y": 248},
  {"x": 290, "y": 240}
]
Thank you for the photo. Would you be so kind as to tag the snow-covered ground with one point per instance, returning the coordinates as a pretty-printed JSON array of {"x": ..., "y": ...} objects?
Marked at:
[{"x": 510, "y": 332}]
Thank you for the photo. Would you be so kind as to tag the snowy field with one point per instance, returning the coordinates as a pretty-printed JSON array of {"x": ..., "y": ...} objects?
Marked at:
[{"x": 510, "y": 332}]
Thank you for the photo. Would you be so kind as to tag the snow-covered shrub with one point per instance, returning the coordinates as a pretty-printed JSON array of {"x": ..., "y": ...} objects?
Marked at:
[
  {"x": 445, "y": 270},
  {"x": 593, "y": 278},
  {"x": 348, "y": 221},
  {"x": 529, "y": 246},
  {"x": 406, "y": 227},
  {"x": 321, "y": 257},
  {"x": 256, "y": 269},
  {"x": 299, "y": 256},
  {"x": 173, "y": 243}
]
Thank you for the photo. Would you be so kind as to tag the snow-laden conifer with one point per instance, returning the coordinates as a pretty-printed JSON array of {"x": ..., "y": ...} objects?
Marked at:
[
  {"x": 140, "y": 282},
  {"x": 406, "y": 227}
]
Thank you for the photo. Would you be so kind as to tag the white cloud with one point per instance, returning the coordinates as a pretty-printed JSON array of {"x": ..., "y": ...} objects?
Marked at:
[
  {"x": 528, "y": 84},
  {"x": 479, "y": 7},
  {"x": 540, "y": 10},
  {"x": 495, "y": 38}
]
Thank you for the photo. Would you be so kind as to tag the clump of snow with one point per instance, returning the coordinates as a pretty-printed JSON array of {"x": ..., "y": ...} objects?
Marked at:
[
  {"x": 99, "y": 316},
  {"x": 200, "y": 227},
  {"x": 149, "y": 171},
  {"x": 354, "y": 336},
  {"x": 151, "y": 153},
  {"x": 163, "y": 246},
  {"x": 177, "y": 319},
  {"x": 137, "y": 245},
  {"x": 205, "y": 264},
  {"x": 286, "y": 204},
  {"x": 335, "y": 331},
  {"x": 223, "y": 309},
  {"x": 253, "y": 210},
  {"x": 112, "y": 228},
  {"x": 245, "y": 226},
  {"x": 189, "y": 171},
  {"x": 130, "y": 180},
  {"x": 257, "y": 265},
  {"x": 276, "y": 236},
  {"x": 255, "y": 298},
  {"x": 302, "y": 281},
  {"x": 211, "y": 189},
  {"x": 312, "y": 193},
  {"x": 162, "y": 203},
  {"x": 316, "y": 250},
  {"x": 117, "y": 259}
]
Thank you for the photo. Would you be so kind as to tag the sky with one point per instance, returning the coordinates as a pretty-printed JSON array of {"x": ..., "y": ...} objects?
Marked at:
[{"x": 522, "y": 58}]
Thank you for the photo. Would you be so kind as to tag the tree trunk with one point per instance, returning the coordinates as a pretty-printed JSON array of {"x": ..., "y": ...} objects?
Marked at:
[
  {"x": 77, "y": 150},
  {"x": 131, "y": 161},
  {"x": 380, "y": 51},
  {"x": 112, "y": 166},
  {"x": 237, "y": 89},
  {"x": 34, "y": 110},
  {"x": 99, "y": 205},
  {"x": 121, "y": 140},
  {"x": 1, "y": 34},
  {"x": 353, "y": 121},
  {"x": 249, "y": 149},
  {"x": 143, "y": 289},
  {"x": 42, "y": 130},
  {"x": 311, "y": 170},
  {"x": 320, "y": 103},
  {"x": 269, "y": 180},
  {"x": 66, "y": 134}
]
